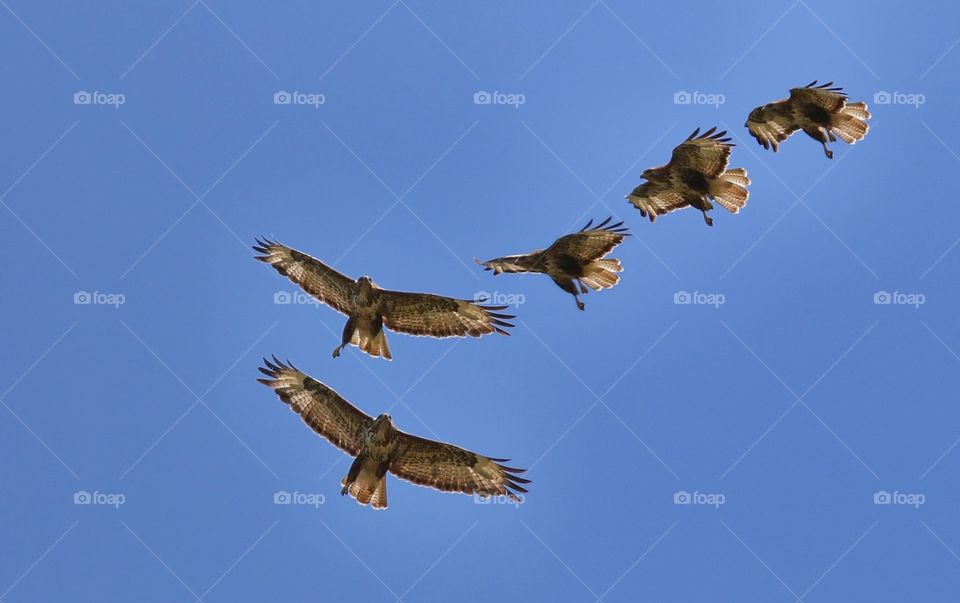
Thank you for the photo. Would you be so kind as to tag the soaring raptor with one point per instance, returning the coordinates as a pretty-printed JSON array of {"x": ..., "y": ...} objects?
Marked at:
[
  {"x": 369, "y": 308},
  {"x": 379, "y": 447},
  {"x": 822, "y": 112},
  {"x": 697, "y": 173},
  {"x": 574, "y": 261}
]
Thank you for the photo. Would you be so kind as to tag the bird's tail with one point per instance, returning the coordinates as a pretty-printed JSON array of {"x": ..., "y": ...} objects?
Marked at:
[
  {"x": 376, "y": 345},
  {"x": 367, "y": 488},
  {"x": 849, "y": 124},
  {"x": 730, "y": 189},
  {"x": 602, "y": 274}
]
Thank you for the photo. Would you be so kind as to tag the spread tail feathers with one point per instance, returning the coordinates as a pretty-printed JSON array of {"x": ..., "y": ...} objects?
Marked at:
[
  {"x": 730, "y": 191},
  {"x": 376, "y": 345},
  {"x": 367, "y": 488},
  {"x": 602, "y": 274},
  {"x": 849, "y": 127}
]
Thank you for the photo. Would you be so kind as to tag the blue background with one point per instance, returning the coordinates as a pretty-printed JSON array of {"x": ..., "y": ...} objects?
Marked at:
[{"x": 796, "y": 400}]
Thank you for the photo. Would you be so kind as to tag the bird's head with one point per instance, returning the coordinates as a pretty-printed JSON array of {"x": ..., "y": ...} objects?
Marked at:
[
  {"x": 382, "y": 422},
  {"x": 365, "y": 282}
]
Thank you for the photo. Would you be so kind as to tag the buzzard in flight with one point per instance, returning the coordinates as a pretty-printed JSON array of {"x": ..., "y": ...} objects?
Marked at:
[
  {"x": 822, "y": 112},
  {"x": 572, "y": 260},
  {"x": 379, "y": 447},
  {"x": 697, "y": 173},
  {"x": 369, "y": 308}
]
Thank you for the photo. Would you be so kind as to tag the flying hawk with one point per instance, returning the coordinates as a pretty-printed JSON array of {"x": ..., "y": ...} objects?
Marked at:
[
  {"x": 378, "y": 446},
  {"x": 822, "y": 112},
  {"x": 572, "y": 260},
  {"x": 697, "y": 172},
  {"x": 369, "y": 308}
]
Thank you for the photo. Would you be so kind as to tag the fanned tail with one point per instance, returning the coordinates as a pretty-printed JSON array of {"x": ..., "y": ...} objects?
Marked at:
[
  {"x": 367, "y": 488},
  {"x": 375, "y": 346},
  {"x": 730, "y": 189},
  {"x": 849, "y": 127},
  {"x": 602, "y": 274}
]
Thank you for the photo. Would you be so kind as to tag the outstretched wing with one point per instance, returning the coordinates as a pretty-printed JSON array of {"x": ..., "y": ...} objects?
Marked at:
[
  {"x": 591, "y": 243},
  {"x": 707, "y": 153},
  {"x": 655, "y": 198},
  {"x": 825, "y": 96},
  {"x": 323, "y": 409},
  {"x": 313, "y": 276},
  {"x": 772, "y": 124},
  {"x": 437, "y": 316},
  {"x": 526, "y": 262},
  {"x": 450, "y": 468}
]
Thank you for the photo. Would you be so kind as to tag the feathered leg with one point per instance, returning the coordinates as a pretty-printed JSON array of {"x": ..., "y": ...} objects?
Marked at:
[
  {"x": 820, "y": 135},
  {"x": 570, "y": 286},
  {"x": 348, "y": 330}
]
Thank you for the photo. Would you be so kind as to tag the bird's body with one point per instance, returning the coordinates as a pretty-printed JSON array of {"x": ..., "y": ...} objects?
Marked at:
[
  {"x": 821, "y": 112},
  {"x": 696, "y": 174},
  {"x": 370, "y": 309},
  {"x": 380, "y": 448},
  {"x": 574, "y": 261}
]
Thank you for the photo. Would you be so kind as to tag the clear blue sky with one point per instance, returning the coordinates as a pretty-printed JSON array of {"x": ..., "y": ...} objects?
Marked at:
[{"x": 792, "y": 403}]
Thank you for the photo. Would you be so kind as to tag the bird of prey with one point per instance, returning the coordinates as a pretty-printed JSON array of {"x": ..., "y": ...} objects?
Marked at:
[
  {"x": 370, "y": 309},
  {"x": 697, "y": 173},
  {"x": 379, "y": 447},
  {"x": 822, "y": 112},
  {"x": 572, "y": 261}
]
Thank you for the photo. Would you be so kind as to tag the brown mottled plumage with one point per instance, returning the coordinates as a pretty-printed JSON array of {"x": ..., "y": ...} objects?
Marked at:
[
  {"x": 379, "y": 447},
  {"x": 369, "y": 308},
  {"x": 572, "y": 260},
  {"x": 822, "y": 112},
  {"x": 697, "y": 173}
]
